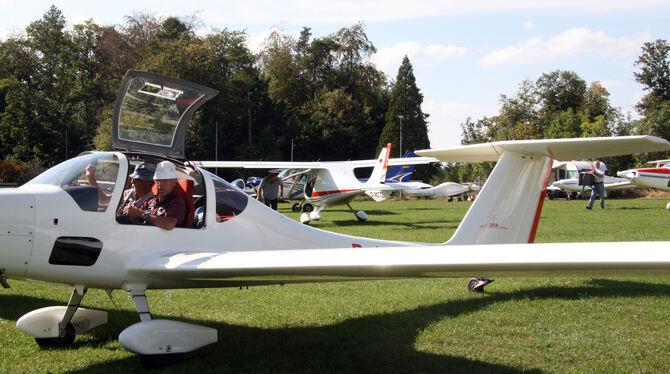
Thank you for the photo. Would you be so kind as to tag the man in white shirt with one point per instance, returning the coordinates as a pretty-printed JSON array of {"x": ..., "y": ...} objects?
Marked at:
[{"x": 598, "y": 170}]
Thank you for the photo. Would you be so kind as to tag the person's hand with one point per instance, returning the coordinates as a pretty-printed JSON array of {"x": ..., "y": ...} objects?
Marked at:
[
  {"x": 132, "y": 212},
  {"x": 90, "y": 171}
]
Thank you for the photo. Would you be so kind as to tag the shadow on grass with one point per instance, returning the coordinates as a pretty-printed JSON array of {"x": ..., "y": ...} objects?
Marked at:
[
  {"x": 376, "y": 343},
  {"x": 635, "y": 208}
]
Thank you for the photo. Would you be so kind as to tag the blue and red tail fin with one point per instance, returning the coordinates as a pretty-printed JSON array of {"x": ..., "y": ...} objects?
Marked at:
[{"x": 401, "y": 173}]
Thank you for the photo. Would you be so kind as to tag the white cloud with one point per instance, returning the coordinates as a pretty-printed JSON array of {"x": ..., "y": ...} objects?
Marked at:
[
  {"x": 572, "y": 42},
  {"x": 388, "y": 56},
  {"x": 528, "y": 25},
  {"x": 446, "y": 117}
]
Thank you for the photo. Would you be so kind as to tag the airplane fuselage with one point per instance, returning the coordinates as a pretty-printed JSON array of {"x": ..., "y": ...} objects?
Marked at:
[
  {"x": 48, "y": 236},
  {"x": 657, "y": 178}
]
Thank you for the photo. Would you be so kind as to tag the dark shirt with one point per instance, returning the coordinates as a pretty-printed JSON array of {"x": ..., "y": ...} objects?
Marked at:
[{"x": 173, "y": 206}]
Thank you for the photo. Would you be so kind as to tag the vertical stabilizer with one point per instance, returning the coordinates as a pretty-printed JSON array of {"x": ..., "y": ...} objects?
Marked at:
[
  {"x": 402, "y": 173},
  {"x": 508, "y": 207},
  {"x": 378, "y": 175}
]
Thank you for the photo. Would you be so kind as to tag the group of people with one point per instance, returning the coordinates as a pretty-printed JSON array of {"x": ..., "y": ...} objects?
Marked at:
[{"x": 140, "y": 206}]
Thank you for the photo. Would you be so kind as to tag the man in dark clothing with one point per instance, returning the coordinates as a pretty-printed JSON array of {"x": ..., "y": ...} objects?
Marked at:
[
  {"x": 166, "y": 210},
  {"x": 142, "y": 181}
]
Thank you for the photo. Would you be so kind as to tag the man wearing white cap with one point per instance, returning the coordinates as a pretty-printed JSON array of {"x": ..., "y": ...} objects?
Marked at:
[{"x": 166, "y": 210}]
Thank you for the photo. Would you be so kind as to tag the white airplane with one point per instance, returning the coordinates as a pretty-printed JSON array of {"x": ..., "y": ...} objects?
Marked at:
[
  {"x": 57, "y": 230},
  {"x": 572, "y": 184},
  {"x": 328, "y": 183},
  {"x": 657, "y": 177}
]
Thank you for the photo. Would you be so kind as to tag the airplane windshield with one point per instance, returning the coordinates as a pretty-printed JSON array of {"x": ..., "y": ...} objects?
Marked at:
[
  {"x": 230, "y": 201},
  {"x": 150, "y": 112},
  {"x": 89, "y": 179}
]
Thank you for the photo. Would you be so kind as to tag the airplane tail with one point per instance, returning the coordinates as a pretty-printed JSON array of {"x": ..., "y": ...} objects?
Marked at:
[
  {"x": 402, "y": 173},
  {"x": 508, "y": 207},
  {"x": 378, "y": 175}
]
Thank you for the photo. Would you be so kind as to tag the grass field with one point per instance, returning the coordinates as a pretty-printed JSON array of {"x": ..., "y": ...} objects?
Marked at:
[{"x": 537, "y": 325}]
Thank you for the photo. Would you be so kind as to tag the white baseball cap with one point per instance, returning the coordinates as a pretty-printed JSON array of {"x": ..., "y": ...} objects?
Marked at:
[{"x": 165, "y": 170}]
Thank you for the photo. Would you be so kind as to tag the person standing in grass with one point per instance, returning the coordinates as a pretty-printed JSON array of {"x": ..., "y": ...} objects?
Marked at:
[
  {"x": 270, "y": 189},
  {"x": 598, "y": 170}
]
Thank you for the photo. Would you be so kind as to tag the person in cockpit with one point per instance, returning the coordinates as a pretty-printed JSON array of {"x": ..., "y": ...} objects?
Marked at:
[
  {"x": 142, "y": 179},
  {"x": 166, "y": 210}
]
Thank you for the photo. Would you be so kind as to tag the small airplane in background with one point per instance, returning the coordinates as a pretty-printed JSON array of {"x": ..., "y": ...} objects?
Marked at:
[
  {"x": 57, "y": 230},
  {"x": 400, "y": 178},
  {"x": 573, "y": 186},
  {"x": 327, "y": 183},
  {"x": 657, "y": 177},
  {"x": 568, "y": 181}
]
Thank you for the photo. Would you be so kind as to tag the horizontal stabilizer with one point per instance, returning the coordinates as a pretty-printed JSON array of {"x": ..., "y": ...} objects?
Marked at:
[{"x": 557, "y": 149}]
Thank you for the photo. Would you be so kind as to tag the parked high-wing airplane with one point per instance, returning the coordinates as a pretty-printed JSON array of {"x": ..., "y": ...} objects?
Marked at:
[
  {"x": 327, "y": 183},
  {"x": 397, "y": 179},
  {"x": 572, "y": 184},
  {"x": 58, "y": 229}
]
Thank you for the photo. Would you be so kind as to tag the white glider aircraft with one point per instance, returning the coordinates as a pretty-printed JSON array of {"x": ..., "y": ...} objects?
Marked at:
[
  {"x": 328, "y": 183},
  {"x": 55, "y": 229}
]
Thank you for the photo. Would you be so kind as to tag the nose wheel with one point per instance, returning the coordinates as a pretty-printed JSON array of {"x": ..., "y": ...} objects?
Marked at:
[{"x": 477, "y": 284}]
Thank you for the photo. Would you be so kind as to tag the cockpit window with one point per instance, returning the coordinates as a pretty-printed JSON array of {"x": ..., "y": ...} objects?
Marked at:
[
  {"x": 150, "y": 112},
  {"x": 230, "y": 201},
  {"x": 88, "y": 179}
]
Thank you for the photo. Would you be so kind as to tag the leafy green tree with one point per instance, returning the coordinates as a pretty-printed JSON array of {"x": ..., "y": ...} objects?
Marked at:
[{"x": 654, "y": 74}]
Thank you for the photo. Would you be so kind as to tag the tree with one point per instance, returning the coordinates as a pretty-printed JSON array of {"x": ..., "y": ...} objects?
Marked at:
[
  {"x": 654, "y": 75},
  {"x": 405, "y": 110},
  {"x": 406, "y": 100}
]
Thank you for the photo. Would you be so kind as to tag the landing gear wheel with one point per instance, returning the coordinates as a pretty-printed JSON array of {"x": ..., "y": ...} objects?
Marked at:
[
  {"x": 161, "y": 361},
  {"x": 64, "y": 341},
  {"x": 295, "y": 207},
  {"x": 307, "y": 207},
  {"x": 477, "y": 284}
]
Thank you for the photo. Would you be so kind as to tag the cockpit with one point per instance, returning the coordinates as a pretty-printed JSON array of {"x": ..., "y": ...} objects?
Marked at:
[{"x": 90, "y": 180}]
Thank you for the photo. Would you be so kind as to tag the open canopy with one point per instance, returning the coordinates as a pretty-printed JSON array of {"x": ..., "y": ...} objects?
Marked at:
[{"x": 152, "y": 111}]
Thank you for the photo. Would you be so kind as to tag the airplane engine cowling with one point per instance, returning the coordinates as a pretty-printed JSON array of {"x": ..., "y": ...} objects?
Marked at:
[{"x": 160, "y": 336}]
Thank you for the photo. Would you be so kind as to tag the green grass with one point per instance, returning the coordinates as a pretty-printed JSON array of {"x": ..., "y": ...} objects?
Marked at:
[{"x": 556, "y": 325}]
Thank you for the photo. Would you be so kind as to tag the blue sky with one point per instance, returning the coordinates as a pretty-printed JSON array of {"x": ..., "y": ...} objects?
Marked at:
[{"x": 465, "y": 54}]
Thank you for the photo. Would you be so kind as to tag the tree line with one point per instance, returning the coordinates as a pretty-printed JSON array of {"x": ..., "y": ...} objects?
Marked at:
[
  {"x": 560, "y": 104},
  {"x": 304, "y": 98}
]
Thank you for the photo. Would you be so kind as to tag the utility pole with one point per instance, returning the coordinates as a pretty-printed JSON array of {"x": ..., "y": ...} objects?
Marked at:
[
  {"x": 216, "y": 141},
  {"x": 249, "y": 113},
  {"x": 401, "y": 117}
]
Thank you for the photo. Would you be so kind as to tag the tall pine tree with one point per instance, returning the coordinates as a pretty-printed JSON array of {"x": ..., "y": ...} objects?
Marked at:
[
  {"x": 405, "y": 110},
  {"x": 406, "y": 102}
]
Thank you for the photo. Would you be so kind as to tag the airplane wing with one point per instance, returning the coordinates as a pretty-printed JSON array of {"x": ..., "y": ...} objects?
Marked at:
[
  {"x": 309, "y": 165},
  {"x": 259, "y": 164},
  {"x": 300, "y": 265},
  {"x": 620, "y": 185},
  {"x": 557, "y": 149}
]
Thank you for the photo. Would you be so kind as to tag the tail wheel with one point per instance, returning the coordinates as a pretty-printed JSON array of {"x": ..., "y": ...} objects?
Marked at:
[
  {"x": 295, "y": 207},
  {"x": 307, "y": 207}
]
